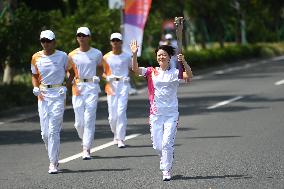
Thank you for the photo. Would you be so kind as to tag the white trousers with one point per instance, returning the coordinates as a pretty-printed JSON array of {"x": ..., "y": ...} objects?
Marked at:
[
  {"x": 163, "y": 131},
  {"x": 51, "y": 111},
  {"x": 85, "y": 108},
  {"x": 117, "y": 106}
]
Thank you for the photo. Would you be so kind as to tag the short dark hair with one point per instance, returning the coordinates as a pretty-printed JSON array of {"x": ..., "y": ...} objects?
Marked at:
[{"x": 169, "y": 49}]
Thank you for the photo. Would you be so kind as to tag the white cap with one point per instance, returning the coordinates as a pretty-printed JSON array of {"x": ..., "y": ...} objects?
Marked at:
[
  {"x": 48, "y": 34},
  {"x": 116, "y": 36},
  {"x": 168, "y": 36},
  {"x": 84, "y": 30}
]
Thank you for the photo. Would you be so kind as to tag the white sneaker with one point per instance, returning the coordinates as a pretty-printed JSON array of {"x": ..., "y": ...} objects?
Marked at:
[
  {"x": 53, "y": 169},
  {"x": 120, "y": 144},
  {"x": 166, "y": 175},
  {"x": 86, "y": 155}
]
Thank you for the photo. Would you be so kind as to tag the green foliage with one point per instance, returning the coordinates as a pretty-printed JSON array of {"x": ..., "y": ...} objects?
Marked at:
[
  {"x": 24, "y": 79},
  {"x": 93, "y": 14},
  {"x": 267, "y": 52},
  {"x": 18, "y": 39},
  {"x": 16, "y": 95}
]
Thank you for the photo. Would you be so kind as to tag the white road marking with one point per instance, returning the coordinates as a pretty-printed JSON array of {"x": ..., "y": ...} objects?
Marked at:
[
  {"x": 79, "y": 155},
  {"x": 224, "y": 102},
  {"x": 278, "y": 58},
  {"x": 1, "y": 123},
  {"x": 279, "y": 82},
  {"x": 197, "y": 77},
  {"x": 142, "y": 90},
  {"x": 219, "y": 72}
]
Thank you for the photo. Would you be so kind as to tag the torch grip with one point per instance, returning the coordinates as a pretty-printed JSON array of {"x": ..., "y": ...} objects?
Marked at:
[{"x": 181, "y": 70}]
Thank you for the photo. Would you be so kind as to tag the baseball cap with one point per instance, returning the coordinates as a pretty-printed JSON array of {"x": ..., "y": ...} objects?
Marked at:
[
  {"x": 168, "y": 36},
  {"x": 84, "y": 30},
  {"x": 116, "y": 36},
  {"x": 48, "y": 34}
]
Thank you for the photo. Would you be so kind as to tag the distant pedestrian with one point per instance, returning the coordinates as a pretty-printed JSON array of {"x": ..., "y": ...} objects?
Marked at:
[
  {"x": 84, "y": 62},
  {"x": 169, "y": 40},
  {"x": 48, "y": 72},
  {"x": 162, "y": 90},
  {"x": 116, "y": 71}
]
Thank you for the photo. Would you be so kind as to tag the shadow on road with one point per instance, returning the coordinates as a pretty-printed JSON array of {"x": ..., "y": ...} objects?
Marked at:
[
  {"x": 33, "y": 136},
  {"x": 210, "y": 137},
  {"x": 181, "y": 177},
  {"x": 120, "y": 157},
  {"x": 139, "y": 108},
  {"x": 63, "y": 171}
]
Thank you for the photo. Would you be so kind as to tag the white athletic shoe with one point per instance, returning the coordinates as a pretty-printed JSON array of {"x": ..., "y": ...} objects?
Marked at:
[
  {"x": 86, "y": 155},
  {"x": 120, "y": 144},
  {"x": 53, "y": 169},
  {"x": 166, "y": 175}
]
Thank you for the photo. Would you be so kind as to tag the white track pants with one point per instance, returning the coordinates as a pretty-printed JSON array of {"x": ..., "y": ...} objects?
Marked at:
[
  {"x": 85, "y": 108},
  {"x": 51, "y": 111},
  {"x": 163, "y": 131},
  {"x": 117, "y": 106}
]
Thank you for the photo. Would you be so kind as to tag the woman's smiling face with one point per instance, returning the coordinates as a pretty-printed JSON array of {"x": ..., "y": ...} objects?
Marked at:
[{"x": 163, "y": 58}]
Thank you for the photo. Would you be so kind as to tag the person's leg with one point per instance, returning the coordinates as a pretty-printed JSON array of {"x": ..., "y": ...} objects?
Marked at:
[
  {"x": 156, "y": 129},
  {"x": 43, "y": 117},
  {"x": 79, "y": 108},
  {"x": 121, "y": 113},
  {"x": 89, "y": 125},
  {"x": 112, "y": 113},
  {"x": 170, "y": 128},
  {"x": 56, "y": 111}
]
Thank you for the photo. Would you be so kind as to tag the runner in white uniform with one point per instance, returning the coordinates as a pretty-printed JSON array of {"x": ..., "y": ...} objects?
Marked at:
[
  {"x": 116, "y": 69},
  {"x": 162, "y": 88},
  {"x": 84, "y": 61},
  {"x": 48, "y": 72}
]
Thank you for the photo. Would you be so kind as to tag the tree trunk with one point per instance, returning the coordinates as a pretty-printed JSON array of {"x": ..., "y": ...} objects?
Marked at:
[
  {"x": 8, "y": 72},
  {"x": 221, "y": 42}
]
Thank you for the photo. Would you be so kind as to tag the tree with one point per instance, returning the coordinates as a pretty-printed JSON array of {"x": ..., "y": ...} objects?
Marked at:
[
  {"x": 93, "y": 14},
  {"x": 18, "y": 29}
]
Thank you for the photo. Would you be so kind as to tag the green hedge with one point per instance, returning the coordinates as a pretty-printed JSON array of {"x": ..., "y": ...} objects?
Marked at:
[{"x": 16, "y": 95}]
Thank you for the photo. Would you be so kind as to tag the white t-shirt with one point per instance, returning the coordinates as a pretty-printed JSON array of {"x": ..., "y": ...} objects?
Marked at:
[
  {"x": 162, "y": 89},
  {"x": 117, "y": 65},
  {"x": 85, "y": 63},
  {"x": 51, "y": 69}
]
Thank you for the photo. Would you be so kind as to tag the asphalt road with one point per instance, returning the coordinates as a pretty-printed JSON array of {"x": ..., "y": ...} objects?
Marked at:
[{"x": 230, "y": 136}]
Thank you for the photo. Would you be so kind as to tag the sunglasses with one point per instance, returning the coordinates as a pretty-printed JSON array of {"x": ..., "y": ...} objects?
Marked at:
[
  {"x": 115, "y": 40},
  {"x": 44, "y": 40},
  {"x": 81, "y": 35}
]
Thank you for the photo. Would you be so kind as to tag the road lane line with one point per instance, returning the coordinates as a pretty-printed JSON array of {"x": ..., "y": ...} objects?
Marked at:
[
  {"x": 224, "y": 102},
  {"x": 219, "y": 72},
  {"x": 279, "y": 82},
  {"x": 79, "y": 155},
  {"x": 1, "y": 123}
]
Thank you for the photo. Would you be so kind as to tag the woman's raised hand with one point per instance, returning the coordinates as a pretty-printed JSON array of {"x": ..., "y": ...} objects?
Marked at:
[{"x": 134, "y": 46}]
